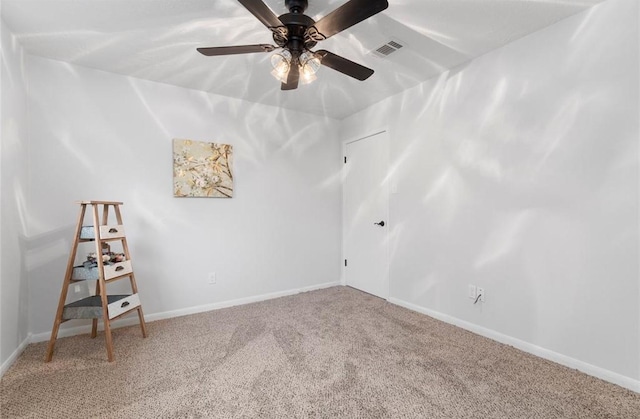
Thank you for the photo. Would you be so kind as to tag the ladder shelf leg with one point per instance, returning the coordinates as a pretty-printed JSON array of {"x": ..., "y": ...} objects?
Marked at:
[
  {"x": 132, "y": 278},
  {"x": 94, "y": 322},
  {"x": 143, "y": 325},
  {"x": 65, "y": 286},
  {"x": 102, "y": 286}
]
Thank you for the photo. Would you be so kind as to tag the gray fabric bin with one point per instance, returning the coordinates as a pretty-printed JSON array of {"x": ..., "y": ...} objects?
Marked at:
[
  {"x": 87, "y": 233},
  {"x": 82, "y": 273},
  {"x": 88, "y": 308}
]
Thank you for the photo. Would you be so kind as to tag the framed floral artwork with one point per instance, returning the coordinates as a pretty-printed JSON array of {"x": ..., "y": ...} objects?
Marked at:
[{"x": 202, "y": 169}]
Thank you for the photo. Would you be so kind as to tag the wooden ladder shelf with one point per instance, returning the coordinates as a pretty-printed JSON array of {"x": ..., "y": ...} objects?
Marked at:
[{"x": 101, "y": 305}]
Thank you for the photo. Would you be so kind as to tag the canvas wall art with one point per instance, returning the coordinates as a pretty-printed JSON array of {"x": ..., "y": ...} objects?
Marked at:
[{"x": 202, "y": 169}]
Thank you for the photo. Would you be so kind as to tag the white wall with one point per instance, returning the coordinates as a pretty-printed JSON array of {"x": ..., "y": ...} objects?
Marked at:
[
  {"x": 13, "y": 180},
  {"x": 518, "y": 172},
  {"x": 95, "y": 135}
]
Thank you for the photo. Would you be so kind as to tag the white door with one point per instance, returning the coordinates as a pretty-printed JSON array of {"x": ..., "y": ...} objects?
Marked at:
[{"x": 366, "y": 210}]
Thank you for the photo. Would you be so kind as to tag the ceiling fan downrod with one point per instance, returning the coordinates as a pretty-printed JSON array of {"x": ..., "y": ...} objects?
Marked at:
[{"x": 296, "y": 6}]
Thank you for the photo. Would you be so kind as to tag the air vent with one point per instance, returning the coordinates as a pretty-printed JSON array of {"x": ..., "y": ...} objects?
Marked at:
[{"x": 387, "y": 49}]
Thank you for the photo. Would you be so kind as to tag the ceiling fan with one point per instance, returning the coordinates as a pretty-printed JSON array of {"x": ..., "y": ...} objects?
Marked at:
[{"x": 295, "y": 34}]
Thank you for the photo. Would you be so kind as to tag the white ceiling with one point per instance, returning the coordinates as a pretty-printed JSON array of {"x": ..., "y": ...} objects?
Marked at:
[{"x": 156, "y": 40}]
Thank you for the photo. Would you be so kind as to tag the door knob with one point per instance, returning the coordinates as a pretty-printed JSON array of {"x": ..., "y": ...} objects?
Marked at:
[{"x": 381, "y": 224}]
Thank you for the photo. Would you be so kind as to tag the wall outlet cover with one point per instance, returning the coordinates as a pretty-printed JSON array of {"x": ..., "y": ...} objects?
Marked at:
[{"x": 481, "y": 294}]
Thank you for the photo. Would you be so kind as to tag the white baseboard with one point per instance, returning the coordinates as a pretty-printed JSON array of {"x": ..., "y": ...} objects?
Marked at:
[
  {"x": 604, "y": 374},
  {"x": 238, "y": 302},
  {"x": 133, "y": 320},
  {"x": 9, "y": 362}
]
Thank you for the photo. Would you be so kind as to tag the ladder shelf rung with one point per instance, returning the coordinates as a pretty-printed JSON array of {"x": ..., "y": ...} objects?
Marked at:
[
  {"x": 99, "y": 203},
  {"x": 114, "y": 279},
  {"x": 117, "y": 278},
  {"x": 111, "y": 239}
]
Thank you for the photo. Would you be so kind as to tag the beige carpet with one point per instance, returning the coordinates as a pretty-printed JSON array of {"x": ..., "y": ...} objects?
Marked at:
[{"x": 331, "y": 353}]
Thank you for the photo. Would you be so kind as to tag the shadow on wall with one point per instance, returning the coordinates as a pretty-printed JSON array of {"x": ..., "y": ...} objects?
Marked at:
[
  {"x": 112, "y": 140},
  {"x": 518, "y": 172},
  {"x": 45, "y": 263}
]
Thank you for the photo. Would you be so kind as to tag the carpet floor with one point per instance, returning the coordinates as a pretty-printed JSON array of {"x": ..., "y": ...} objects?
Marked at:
[{"x": 333, "y": 353}]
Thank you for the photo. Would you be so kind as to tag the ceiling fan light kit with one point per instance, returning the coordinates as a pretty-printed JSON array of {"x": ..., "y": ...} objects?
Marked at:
[{"x": 295, "y": 34}]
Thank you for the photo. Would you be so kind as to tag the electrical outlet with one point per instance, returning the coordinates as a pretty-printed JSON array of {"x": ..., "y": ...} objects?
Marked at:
[
  {"x": 472, "y": 292},
  {"x": 212, "y": 278},
  {"x": 481, "y": 294}
]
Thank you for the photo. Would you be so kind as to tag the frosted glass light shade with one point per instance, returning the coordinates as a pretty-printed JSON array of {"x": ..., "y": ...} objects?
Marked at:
[
  {"x": 281, "y": 62},
  {"x": 310, "y": 64}
]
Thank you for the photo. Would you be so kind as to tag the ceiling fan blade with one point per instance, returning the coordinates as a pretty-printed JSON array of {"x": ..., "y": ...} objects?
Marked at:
[
  {"x": 347, "y": 15},
  {"x": 292, "y": 79},
  {"x": 343, "y": 65},
  {"x": 240, "y": 49},
  {"x": 262, "y": 12}
]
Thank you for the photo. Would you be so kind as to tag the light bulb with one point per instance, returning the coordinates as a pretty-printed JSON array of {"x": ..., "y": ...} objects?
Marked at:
[
  {"x": 307, "y": 78},
  {"x": 280, "y": 76},
  {"x": 309, "y": 66},
  {"x": 281, "y": 62}
]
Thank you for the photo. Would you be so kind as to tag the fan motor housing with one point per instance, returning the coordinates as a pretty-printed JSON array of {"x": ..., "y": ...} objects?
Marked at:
[
  {"x": 297, "y": 24},
  {"x": 296, "y": 20}
]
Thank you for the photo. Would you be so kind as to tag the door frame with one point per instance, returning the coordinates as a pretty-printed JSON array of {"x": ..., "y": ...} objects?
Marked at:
[{"x": 353, "y": 139}]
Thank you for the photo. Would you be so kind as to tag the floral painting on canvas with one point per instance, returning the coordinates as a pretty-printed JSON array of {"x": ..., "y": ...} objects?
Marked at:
[{"x": 202, "y": 169}]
